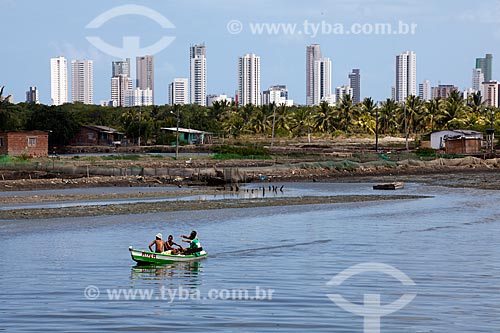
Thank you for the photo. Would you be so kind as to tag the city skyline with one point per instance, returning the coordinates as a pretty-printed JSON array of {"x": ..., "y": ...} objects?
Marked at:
[{"x": 282, "y": 54}]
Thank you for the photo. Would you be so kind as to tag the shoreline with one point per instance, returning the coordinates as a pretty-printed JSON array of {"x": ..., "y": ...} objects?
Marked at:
[{"x": 155, "y": 207}]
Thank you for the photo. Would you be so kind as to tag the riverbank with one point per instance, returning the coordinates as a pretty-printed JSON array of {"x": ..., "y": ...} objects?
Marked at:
[{"x": 154, "y": 207}]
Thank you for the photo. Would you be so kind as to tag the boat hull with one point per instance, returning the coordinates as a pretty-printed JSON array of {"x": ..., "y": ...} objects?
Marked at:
[
  {"x": 389, "y": 186},
  {"x": 146, "y": 258}
]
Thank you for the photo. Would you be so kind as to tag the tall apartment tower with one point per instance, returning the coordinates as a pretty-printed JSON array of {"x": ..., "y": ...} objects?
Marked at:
[
  {"x": 425, "y": 91},
  {"x": 33, "y": 96},
  {"x": 145, "y": 74},
  {"x": 322, "y": 80},
  {"x": 355, "y": 84},
  {"x": 486, "y": 65},
  {"x": 406, "y": 76},
  {"x": 178, "y": 91},
  {"x": 249, "y": 79},
  {"x": 58, "y": 81},
  {"x": 313, "y": 53},
  {"x": 477, "y": 79},
  {"x": 120, "y": 67},
  {"x": 82, "y": 81},
  {"x": 119, "y": 86},
  {"x": 198, "y": 74}
]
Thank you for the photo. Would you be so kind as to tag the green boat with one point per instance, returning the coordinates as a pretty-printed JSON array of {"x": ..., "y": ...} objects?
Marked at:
[{"x": 143, "y": 257}]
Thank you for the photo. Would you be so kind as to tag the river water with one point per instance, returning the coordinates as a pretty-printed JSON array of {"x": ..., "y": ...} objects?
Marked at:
[{"x": 267, "y": 269}]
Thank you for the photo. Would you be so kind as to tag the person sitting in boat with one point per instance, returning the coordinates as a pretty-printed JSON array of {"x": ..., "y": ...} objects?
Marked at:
[
  {"x": 159, "y": 244},
  {"x": 169, "y": 246},
  {"x": 194, "y": 244}
]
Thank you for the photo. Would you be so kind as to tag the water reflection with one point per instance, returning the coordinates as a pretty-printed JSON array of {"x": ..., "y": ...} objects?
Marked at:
[{"x": 187, "y": 270}]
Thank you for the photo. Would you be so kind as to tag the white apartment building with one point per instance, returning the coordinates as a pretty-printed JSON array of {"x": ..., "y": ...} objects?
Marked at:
[
  {"x": 82, "y": 81},
  {"x": 249, "y": 79},
  {"x": 58, "y": 81},
  {"x": 406, "y": 76},
  {"x": 178, "y": 91},
  {"x": 322, "y": 80},
  {"x": 198, "y": 74}
]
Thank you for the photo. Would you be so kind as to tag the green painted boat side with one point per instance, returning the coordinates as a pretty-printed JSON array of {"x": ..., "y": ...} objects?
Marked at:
[{"x": 147, "y": 257}]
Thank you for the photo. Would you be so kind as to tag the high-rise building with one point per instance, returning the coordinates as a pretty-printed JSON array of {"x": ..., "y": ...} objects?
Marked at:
[
  {"x": 211, "y": 99},
  {"x": 443, "y": 90},
  {"x": 32, "y": 96},
  {"x": 355, "y": 84},
  {"x": 120, "y": 67},
  {"x": 82, "y": 81},
  {"x": 138, "y": 97},
  {"x": 342, "y": 91},
  {"x": 322, "y": 80},
  {"x": 178, "y": 91},
  {"x": 198, "y": 74},
  {"x": 119, "y": 86},
  {"x": 477, "y": 79},
  {"x": 249, "y": 79},
  {"x": 58, "y": 81},
  {"x": 486, "y": 65},
  {"x": 145, "y": 73},
  {"x": 491, "y": 94},
  {"x": 425, "y": 91},
  {"x": 313, "y": 54},
  {"x": 406, "y": 75},
  {"x": 277, "y": 94}
]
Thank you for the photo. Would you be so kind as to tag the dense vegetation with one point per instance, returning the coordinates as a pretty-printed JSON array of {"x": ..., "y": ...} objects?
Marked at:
[{"x": 232, "y": 120}]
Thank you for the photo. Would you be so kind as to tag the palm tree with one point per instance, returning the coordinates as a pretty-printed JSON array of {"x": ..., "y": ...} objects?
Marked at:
[
  {"x": 475, "y": 103},
  {"x": 323, "y": 118},
  {"x": 430, "y": 111},
  {"x": 452, "y": 111},
  {"x": 300, "y": 124},
  {"x": 346, "y": 111},
  {"x": 413, "y": 112},
  {"x": 388, "y": 116}
]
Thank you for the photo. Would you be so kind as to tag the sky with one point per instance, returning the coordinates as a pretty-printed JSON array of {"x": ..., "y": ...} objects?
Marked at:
[{"x": 447, "y": 37}]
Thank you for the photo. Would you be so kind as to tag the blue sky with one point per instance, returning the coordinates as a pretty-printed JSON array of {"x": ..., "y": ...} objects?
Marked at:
[{"x": 448, "y": 37}]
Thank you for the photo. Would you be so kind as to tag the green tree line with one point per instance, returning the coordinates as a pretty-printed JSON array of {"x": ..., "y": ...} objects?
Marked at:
[{"x": 228, "y": 119}]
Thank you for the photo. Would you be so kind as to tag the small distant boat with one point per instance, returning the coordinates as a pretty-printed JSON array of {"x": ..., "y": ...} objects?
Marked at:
[
  {"x": 389, "y": 186},
  {"x": 143, "y": 257}
]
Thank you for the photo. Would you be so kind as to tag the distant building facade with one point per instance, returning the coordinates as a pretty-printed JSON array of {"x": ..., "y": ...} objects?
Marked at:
[
  {"x": 198, "y": 74},
  {"x": 443, "y": 90},
  {"x": 425, "y": 91},
  {"x": 249, "y": 79},
  {"x": 145, "y": 74},
  {"x": 313, "y": 54},
  {"x": 119, "y": 86},
  {"x": 355, "y": 84},
  {"x": 33, "y": 96},
  {"x": 491, "y": 95},
  {"x": 322, "y": 80},
  {"x": 277, "y": 94},
  {"x": 486, "y": 66},
  {"x": 178, "y": 91},
  {"x": 406, "y": 76},
  {"x": 82, "y": 81},
  {"x": 138, "y": 97},
  {"x": 211, "y": 99},
  {"x": 58, "y": 81}
]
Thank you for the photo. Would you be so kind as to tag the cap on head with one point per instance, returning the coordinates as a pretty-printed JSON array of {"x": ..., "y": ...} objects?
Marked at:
[{"x": 159, "y": 235}]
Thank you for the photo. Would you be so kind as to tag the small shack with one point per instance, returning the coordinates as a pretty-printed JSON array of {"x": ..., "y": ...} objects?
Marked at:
[
  {"x": 463, "y": 145},
  {"x": 94, "y": 135},
  {"x": 191, "y": 136},
  {"x": 438, "y": 139},
  {"x": 30, "y": 143}
]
